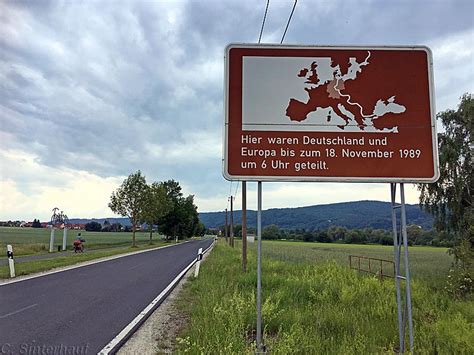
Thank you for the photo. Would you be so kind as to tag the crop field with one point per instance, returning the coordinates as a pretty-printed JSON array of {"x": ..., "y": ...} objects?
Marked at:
[
  {"x": 313, "y": 303},
  {"x": 36, "y": 240}
]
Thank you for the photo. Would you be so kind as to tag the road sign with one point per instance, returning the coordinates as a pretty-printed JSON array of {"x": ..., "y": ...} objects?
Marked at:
[{"x": 298, "y": 113}]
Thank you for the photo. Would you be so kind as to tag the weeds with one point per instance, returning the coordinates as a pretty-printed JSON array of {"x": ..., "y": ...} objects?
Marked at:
[{"x": 313, "y": 309}]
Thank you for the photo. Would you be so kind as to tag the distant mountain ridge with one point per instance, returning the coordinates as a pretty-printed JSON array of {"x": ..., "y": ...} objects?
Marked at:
[{"x": 352, "y": 215}]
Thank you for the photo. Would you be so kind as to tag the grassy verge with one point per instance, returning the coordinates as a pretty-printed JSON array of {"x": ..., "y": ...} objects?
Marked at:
[
  {"x": 28, "y": 241},
  {"x": 312, "y": 308},
  {"x": 29, "y": 267}
]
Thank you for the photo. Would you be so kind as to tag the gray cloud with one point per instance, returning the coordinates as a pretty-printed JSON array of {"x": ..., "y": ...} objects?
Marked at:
[{"x": 111, "y": 88}]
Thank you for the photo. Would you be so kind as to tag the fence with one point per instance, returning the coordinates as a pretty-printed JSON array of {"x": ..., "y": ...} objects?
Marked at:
[{"x": 380, "y": 267}]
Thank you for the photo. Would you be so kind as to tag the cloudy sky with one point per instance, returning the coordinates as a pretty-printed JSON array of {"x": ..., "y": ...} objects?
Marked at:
[{"x": 91, "y": 91}]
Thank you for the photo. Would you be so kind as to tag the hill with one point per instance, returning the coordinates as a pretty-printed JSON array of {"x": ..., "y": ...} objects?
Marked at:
[{"x": 352, "y": 215}]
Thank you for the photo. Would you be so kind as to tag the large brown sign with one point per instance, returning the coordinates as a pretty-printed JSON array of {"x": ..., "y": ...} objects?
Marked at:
[{"x": 329, "y": 114}]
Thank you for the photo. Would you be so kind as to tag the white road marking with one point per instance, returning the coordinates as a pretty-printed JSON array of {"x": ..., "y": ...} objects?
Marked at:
[
  {"x": 18, "y": 311},
  {"x": 130, "y": 328}
]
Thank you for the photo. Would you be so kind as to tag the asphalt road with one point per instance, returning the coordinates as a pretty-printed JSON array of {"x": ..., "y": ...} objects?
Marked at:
[{"x": 85, "y": 308}]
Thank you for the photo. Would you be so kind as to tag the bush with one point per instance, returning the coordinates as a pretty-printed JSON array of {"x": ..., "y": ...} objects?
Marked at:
[{"x": 93, "y": 227}]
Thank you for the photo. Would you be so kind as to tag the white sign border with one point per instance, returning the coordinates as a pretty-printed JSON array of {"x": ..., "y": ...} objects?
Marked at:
[{"x": 434, "y": 137}]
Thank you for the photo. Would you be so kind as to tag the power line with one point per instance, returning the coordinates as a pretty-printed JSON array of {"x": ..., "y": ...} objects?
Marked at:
[
  {"x": 259, "y": 40},
  {"x": 236, "y": 190},
  {"x": 289, "y": 20},
  {"x": 263, "y": 22}
]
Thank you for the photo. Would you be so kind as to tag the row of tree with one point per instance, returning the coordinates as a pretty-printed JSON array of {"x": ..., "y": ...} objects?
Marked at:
[
  {"x": 338, "y": 234},
  {"x": 94, "y": 226},
  {"x": 160, "y": 203}
]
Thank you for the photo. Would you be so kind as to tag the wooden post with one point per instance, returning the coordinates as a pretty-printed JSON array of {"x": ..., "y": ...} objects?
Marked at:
[
  {"x": 226, "y": 227},
  {"x": 244, "y": 226},
  {"x": 231, "y": 221}
]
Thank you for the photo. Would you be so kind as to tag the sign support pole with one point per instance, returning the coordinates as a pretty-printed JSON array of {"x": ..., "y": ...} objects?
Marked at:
[
  {"x": 399, "y": 239},
  {"x": 244, "y": 226},
  {"x": 226, "y": 232},
  {"x": 259, "y": 269},
  {"x": 231, "y": 221}
]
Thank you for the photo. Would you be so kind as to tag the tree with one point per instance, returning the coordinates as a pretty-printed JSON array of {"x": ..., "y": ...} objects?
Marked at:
[
  {"x": 182, "y": 218},
  {"x": 449, "y": 200},
  {"x": 36, "y": 223},
  {"x": 93, "y": 226},
  {"x": 201, "y": 229},
  {"x": 115, "y": 227},
  {"x": 271, "y": 232},
  {"x": 129, "y": 200},
  {"x": 156, "y": 206}
]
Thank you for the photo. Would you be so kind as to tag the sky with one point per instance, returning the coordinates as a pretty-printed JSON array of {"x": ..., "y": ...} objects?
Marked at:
[{"x": 92, "y": 91}]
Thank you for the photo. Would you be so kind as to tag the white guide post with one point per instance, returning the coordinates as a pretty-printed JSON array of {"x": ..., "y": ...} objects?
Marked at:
[
  {"x": 11, "y": 261},
  {"x": 64, "y": 238},
  {"x": 51, "y": 240},
  {"x": 198, "y": 264}
]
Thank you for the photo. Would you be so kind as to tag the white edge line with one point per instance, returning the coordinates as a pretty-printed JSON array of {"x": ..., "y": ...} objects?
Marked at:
[
  {"x": 143, "y": 314},
  {"x": 85, "y": 263}
]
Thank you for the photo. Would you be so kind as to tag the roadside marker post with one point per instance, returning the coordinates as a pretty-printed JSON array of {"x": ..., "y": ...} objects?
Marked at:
[
  {"x": 64, "y": 238},
  {"x": 198, "y": 263},
  {"x": 11, "y": 261},
  {"x": 51, "y": 240}
]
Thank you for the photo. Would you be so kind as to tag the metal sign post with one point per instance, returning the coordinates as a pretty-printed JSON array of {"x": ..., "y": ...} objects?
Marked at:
[
  {"x": 259, "y": 269},
  {"x": 400, "y": 238}
]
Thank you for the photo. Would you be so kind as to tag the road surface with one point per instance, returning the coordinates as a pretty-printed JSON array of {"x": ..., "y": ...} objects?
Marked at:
[{"x": 83, "y": 309}]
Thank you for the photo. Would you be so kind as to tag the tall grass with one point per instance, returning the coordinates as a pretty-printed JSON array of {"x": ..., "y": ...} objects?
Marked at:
[{"x": 312, "y": 308}]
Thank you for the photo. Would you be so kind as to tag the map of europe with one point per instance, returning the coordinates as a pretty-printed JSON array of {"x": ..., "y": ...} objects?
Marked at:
[{"x": 325, "y": 81}]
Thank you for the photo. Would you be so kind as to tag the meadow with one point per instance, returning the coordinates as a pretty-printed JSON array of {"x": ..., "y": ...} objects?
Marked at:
[
  {"x": 26, "y": 241},
  {"x": 35, "y": 241},
  {"x": 313, "y": 303}
]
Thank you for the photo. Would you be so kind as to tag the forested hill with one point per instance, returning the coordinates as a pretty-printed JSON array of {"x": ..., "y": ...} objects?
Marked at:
[{"x": 360, "y": 214}]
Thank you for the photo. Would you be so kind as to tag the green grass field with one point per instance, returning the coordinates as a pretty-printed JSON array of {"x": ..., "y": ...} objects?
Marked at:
[
  {"x": 26, "y": 268},
  {"x": 27, "y": 241},
  {"x": 427, "y": 264},
  {"x": 314, "y": 304},
  {"x": 31, "y": 241}
]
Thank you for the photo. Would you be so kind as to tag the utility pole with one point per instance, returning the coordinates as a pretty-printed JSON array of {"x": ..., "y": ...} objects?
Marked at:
[
  {"x": 226, "y": 227},
  {"x": 231, "y": 221},
  {"x": 244, "y": 226}
]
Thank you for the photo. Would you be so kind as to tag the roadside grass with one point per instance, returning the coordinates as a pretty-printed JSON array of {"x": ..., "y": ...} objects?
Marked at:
[
  {"x": 30, "y": 267},
  {"x": 27, "y": 241},
  {"x": 312, "y": 308}
]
